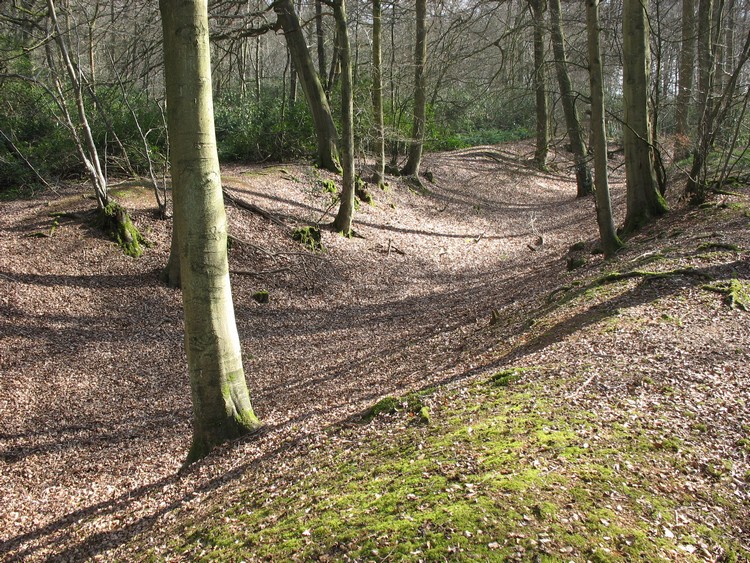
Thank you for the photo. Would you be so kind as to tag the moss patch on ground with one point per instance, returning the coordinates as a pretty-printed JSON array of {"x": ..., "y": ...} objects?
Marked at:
[{"x": 499, "y": 474}]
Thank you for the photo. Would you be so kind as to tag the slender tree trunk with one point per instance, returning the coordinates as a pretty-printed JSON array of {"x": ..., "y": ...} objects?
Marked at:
[
  {"x": 607, "y": 233},
  {"x": 540, "y": 85},
  {"x": 644, "y": 202},
  {"x": 86, "y": 146},
  {"x": 696, "y": 185},
  {"x": 343, "y": 221},
  {"x": 420, "y": 92},
  {"x": 575, "y": 131},
  {"x": 325, "y": 129},
  {"x": 221, "y": 403},
  {"x": 320, "y": 39},
  {"x": 685, "y": 82},
  {"x": 377, "y": 93}
]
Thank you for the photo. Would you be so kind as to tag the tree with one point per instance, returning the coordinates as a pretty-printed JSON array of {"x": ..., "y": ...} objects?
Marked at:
[
  {"x": 685, "y": 85},
  {"x": 221, "y": 402},
  {"x": 377, "y": 93},
  {"x": 411, "y": 168},
  {"x": 575, "y": 131},
  {"x": 325, "y": 129},
  {"x": 607, "y": 233},
  {"x": 706, "y": 75},
  {"x": 343, "y": 220},
  {"x": 540, "y": 87},
  {"x": 644, "y": 202}
]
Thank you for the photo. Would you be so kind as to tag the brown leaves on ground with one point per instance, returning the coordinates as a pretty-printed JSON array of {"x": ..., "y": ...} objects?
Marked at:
[{"x": 94, "y": 398}]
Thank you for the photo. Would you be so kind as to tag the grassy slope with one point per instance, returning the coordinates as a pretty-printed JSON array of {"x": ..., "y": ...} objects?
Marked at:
[{"x": 534, "y": 461}]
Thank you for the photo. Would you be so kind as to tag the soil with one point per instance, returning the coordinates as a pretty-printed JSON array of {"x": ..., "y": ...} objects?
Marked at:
[{"x": 94, "y": 399}]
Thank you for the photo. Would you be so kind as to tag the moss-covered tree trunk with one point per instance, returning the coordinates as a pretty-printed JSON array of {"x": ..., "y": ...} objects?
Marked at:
[
  {"x": 607, "y": 233},
  {"x": 644, "y": 202},
  {"x": 411, "y": 168},
  {"x": 343, "y": 220},
  {"x": 575, "y": 131},
  {"x": 221, "y": 403},
  {"x": 377, "y": 93},
  {"x": 325, "y": 128},
  {"x": 540, "y": 85}
]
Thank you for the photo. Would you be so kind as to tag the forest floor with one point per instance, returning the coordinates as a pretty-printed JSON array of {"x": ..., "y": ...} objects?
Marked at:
[{"x": 596, "y": 414}]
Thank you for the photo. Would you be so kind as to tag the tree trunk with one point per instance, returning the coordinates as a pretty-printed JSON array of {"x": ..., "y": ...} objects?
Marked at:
[
  {"x": 377, "y": 93},
  {"x": 325, "y": 129},
  {"x": 86, "y": 147},
  {"x": 320, "y": 39},
  {"x": 644, "y": 202},
  {"x": 575, "y": 131},
  {"x": 420, "y": 91},
  {"x": 685, "y": 83},
  {"x": 343, "y": 221},
  {"x": 540, "y": 87},
  {"x": 607, "y": 233},
  {"x": 221, "y": 403},
  {"x": 696, "y": 185}
]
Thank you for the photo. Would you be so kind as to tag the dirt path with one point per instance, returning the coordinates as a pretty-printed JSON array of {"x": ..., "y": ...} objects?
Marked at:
[{"x": 94, "y": 401}]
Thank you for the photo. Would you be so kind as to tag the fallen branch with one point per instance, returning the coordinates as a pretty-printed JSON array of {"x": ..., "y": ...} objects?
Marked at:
[
  {"x": 618, "y": 276},
  {"x": 253, "y": 208},
  {"x": 582, "y": 386},
  {"x": 259, "y": 273}
]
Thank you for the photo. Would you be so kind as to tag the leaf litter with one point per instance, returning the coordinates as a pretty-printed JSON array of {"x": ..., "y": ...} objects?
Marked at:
[{"x": 94, "y": 398}]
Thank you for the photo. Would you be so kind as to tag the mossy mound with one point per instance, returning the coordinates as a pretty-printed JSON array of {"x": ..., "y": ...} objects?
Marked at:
[
  {"x": 736, "y": 293},
  {"x": 261, "y": 296},
  {"x": 309, "y": 237},
  {"x": 115, "y": 222}
]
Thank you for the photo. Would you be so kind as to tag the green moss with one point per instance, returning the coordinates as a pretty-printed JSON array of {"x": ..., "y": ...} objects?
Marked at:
[
  {"x": 736, "y": 293},
  {"x": 261, "y": 296},
  {"x": 507, "y": 376},
  {"x": 309, "y": 237},
  {"x": 500, "y": 474},
  {"x": 115, "y": 222},
  {"x": 329, "y": 186},
  {"x": 575, "y": 262},
  {"x": 386, "y": 405},
  {"x": 719, "y": 246}
]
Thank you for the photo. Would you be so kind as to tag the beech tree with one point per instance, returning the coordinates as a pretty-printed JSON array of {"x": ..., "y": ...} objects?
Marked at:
[
  {"x": 343, "y": 220},
  {"x": 575, "y": 131},
  {"x": 411, "y": 168},
  {"x": 221, "y": 402},
  {"x": 607, "y": 233},
  {"x": 685, "y": 84},
  {"x": 325, "y": 129},
  {"x": 540, "y": 87},
  {"x": 644, "y": 202},
  {"x": 377, "y": 93}
]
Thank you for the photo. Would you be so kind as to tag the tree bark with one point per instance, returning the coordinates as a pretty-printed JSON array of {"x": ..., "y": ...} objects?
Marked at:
[
  {"x": 411, "y": 168},
  {"x": 221, "y": 403},
  {"x": 644, "y": 202},
  {"x": 343, "y": 221},
  {"x": 377, "y": 93},
  {"x": 685, "y": 82},
  {"x": 325, "y": 129},
  {"x": 86, "y": 147},
  {"x": 575, "y": 131},
  {"x": 607, "y": 233},
  {"x": 696, "y": 187},
  {"x": 320, "y": 38},
  {"x": 540, "y": 87}
]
